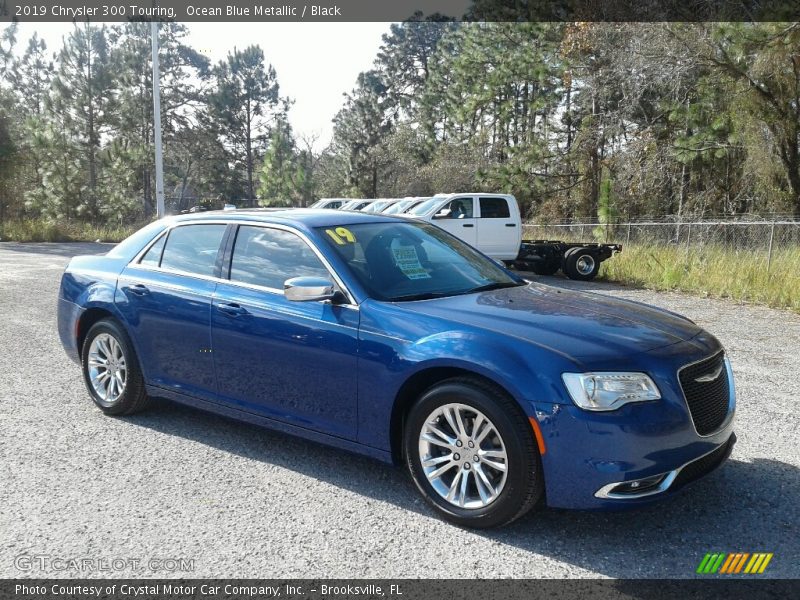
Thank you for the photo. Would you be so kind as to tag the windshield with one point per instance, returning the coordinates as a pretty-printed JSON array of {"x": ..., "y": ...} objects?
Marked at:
[
  {"x": 408, "y": 208},
  {"x": 424, "y": 207},
  {"x": 397, "y": 207},
  {"x": 356, "y": 205},
  {"x": 376, "y": 206},
  {"x": 413, "y": 261}
]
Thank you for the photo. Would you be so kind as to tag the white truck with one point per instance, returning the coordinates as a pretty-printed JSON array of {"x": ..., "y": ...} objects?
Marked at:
[
  {"x": 492, "y": 223},
  {"x": 489, "y": 222}
]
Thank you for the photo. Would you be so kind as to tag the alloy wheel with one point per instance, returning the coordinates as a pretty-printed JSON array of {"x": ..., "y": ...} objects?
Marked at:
[
  {"x": 108, "y": 372},
  {"x": 463, "y": 456}
]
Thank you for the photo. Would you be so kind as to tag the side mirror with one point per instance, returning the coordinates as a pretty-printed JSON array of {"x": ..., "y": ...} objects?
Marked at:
[
  {"x": 308, "y": 289},
  {"x": 442, "y": 214}
]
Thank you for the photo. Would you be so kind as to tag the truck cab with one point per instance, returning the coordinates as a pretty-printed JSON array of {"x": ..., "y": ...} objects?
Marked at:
[{"x": 489, "y": 222}]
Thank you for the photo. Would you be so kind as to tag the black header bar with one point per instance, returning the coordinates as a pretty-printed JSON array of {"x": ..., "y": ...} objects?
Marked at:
[{"x": 398, "y": 10}]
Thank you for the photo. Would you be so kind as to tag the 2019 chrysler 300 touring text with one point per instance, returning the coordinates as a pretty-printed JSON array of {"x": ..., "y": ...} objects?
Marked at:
[{"x": 392, "y": 338}]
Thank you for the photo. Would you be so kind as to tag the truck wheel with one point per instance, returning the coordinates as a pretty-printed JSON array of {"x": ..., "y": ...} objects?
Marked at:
[{"x": 581, "y": 264}]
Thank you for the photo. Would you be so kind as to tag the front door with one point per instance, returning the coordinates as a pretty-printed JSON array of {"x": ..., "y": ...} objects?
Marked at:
[
  {"x": 458, "y": 217},
  {"x": 291, "y": 361}
]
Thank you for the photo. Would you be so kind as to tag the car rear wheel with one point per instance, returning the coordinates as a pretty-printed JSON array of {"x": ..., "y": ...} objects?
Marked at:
[
  {"x": 471, "y": 452},
  {"x": 111, "y": 370}
]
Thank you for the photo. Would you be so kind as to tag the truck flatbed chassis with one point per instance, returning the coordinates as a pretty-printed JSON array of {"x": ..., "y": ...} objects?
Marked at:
[{"x": 578, "y": 260}]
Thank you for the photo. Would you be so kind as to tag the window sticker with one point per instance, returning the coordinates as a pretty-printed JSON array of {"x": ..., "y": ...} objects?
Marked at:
[
  {"x": 407, "y": 261},
  {"x": 341, "y": 235}
]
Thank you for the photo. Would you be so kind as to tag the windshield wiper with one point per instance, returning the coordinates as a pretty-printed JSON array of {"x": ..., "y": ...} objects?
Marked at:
[
  {"x": 493, "y": 286},
  {"x": 423, "y": 296},
  {"x": 431, "y": 295}
]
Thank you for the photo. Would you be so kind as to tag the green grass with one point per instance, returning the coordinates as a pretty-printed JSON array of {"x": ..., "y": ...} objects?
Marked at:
[
  {"x": 37, "y": 230},
  {"x": 714, "y": 272}
]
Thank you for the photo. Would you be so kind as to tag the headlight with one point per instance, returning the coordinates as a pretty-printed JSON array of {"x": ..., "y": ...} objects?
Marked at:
[{"x": 609, "y": 391}]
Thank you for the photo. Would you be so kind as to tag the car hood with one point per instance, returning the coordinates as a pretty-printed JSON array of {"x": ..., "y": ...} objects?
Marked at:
[{"x": 577, "y": 324}]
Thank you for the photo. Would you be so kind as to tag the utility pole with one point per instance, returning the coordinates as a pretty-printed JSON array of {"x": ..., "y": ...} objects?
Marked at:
[{"x": 157, "y": 125}]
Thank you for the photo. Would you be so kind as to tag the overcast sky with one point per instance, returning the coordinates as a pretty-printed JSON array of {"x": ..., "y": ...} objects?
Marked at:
[{"x": 316, "y": 62}]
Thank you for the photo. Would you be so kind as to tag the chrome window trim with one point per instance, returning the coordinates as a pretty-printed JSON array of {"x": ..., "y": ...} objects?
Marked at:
[
  {"x": 135, "y": 263},
  {"x": 606, "y": 493},
  {"x": 731, "y": 392}
]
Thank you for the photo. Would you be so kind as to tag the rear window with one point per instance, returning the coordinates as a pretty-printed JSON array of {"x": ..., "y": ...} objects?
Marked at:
[
  {"x": 494, "y": 208},
  {"x": 193, "y": 249}
]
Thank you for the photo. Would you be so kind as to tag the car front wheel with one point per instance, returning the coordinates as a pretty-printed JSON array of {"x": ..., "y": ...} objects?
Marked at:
[
  {"x": 472, "y": 453},
  {"x": 111, "y": 370}
]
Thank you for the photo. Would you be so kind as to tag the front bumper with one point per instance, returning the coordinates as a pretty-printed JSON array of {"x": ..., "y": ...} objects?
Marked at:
[
  {"x": 671, "y": 480},
  {"x": 590, "y": 454}
]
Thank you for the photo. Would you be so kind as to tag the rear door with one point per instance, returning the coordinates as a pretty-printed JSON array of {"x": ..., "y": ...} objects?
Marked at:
[
  {"x": 291, "y": 361},
  {"x": 458, "y": 217},
  {"x": 165, "y": 297},
  {"x": 498, "y": 227}
]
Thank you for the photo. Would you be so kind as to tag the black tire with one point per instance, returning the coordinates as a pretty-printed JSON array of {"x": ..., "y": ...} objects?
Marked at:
[
  {"x": 523, "y": 487},
  {"x": 545, "y": 268},
  {"x": 133, "y": 397},
  {"x": 581, "y": 264}
]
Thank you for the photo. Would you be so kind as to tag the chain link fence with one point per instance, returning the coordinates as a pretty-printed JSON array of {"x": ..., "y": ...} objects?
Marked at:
[{"x": 763, "y": 236}]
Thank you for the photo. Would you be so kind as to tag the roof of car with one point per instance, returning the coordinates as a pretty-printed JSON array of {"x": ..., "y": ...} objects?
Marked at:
[{"x": 308, "y": 217}]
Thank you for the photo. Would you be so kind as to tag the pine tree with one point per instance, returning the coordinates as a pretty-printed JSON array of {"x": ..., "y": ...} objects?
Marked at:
[
  {"x": 280, "y": 178},
  {"x": 84, "y": 93},
  {"x": 244, "y": 103},
  {"x": 182, "y": 69}
]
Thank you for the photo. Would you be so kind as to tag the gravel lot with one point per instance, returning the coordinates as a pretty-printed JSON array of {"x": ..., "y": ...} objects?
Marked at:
[{"x": 246, "y": 502}]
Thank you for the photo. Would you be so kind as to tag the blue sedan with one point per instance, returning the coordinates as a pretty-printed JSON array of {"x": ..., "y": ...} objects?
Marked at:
[{"x": 392, "y": 338}]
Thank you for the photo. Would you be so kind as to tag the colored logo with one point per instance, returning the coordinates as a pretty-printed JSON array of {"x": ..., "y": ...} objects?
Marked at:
[{"x": 734, "y": 562}]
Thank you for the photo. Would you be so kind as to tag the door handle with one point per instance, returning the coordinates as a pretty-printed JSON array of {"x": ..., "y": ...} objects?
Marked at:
[
  {"x": 232, "y": 309},
  {"x": 139, "y": 289},
  {"x": 468, "y": 225},
  {"x": 511, "y": 224}
]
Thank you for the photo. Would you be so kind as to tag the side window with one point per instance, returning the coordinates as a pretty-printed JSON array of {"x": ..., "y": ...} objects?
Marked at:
[
  {"x": 153, "y": 256},
  {"x": 193, "y": 249},
  {"x": 268, "y": 257},
  {"x": 494, "y": 208},
  {"x": 460, "y": 208}
]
